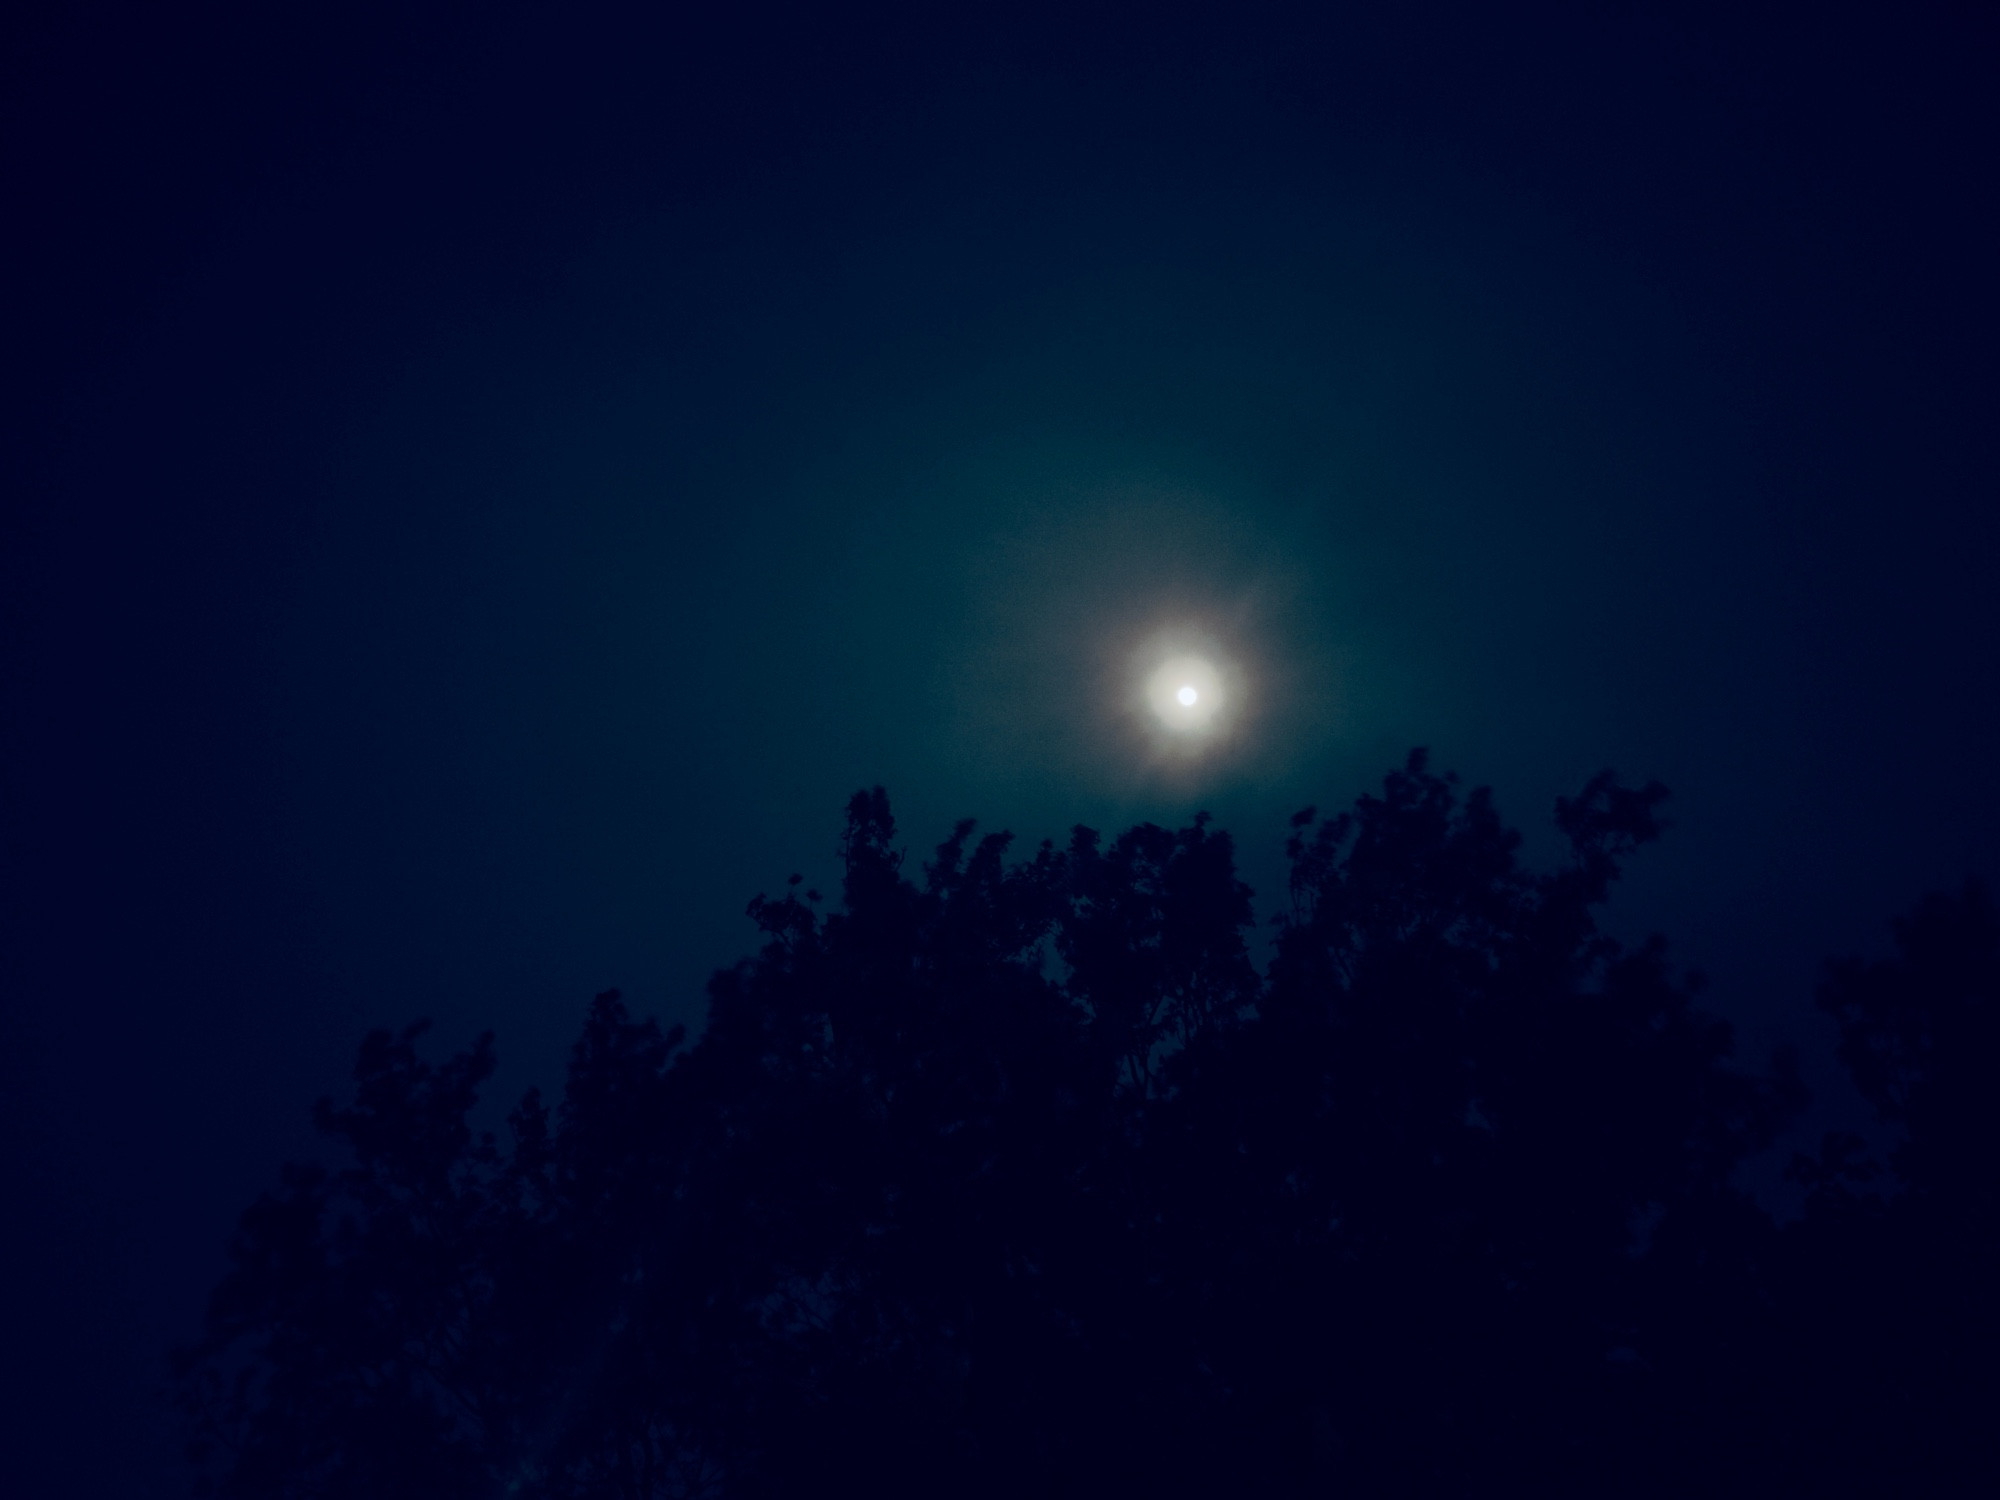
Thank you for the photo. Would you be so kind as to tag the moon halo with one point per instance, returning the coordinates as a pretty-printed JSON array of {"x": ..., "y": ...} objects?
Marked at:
[{"x": 1186, "y": 693}]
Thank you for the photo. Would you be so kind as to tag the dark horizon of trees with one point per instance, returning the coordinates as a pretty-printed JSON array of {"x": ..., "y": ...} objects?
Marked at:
[{"x": 1017, "y": 1175}]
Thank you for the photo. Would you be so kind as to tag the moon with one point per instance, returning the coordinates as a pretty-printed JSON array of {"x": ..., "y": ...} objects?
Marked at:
[{"x": 1185, "y": 692}]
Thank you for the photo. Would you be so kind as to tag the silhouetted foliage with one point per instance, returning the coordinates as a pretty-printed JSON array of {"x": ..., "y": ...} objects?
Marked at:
[
  {"x": 1891, "y": 1297},
  {"x": 1015, "y": 1176}
]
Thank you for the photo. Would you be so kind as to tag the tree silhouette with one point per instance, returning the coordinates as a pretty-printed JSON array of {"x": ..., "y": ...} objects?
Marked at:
[
  {"x": 1015, "y": 1174},
  {"x": 1888, "y": 1299}
]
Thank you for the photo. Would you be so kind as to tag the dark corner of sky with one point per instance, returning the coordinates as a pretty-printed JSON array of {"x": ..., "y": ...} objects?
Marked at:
[{"x": 487, "y": 482}]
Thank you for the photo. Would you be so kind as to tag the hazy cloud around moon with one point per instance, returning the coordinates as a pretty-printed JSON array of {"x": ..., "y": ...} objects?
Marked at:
[{"x": 1097, "y": 585}]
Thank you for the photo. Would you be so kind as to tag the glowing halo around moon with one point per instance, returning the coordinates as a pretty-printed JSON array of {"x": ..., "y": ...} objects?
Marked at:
[{"x": 1186, "y": 693}]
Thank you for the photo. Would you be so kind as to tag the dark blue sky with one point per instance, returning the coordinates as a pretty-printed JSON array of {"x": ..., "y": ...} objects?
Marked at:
[{"x": 484, "y": 487}]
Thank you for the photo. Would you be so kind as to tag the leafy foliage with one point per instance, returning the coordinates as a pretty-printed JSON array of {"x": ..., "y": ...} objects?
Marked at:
[{"x": 1019, "y": 1175}]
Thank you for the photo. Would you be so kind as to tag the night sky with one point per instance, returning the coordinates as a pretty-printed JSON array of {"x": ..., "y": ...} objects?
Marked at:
[{"x": 484, "y": 484}]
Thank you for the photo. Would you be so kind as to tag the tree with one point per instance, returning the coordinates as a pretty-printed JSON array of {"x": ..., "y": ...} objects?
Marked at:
[
  {"x": 1888, "y": 1298},
  {"x": 1018, "y": 1174}
]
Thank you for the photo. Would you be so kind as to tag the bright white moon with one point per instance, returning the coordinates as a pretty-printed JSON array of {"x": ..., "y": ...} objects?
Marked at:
[{"x": 1186, "y": 693}]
